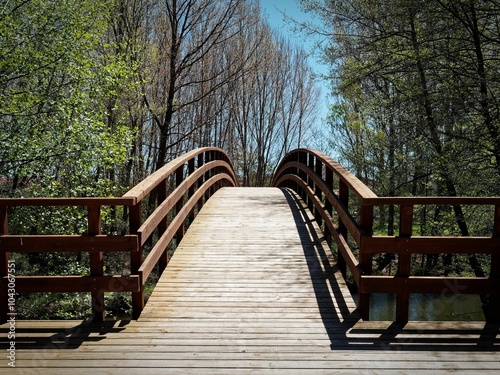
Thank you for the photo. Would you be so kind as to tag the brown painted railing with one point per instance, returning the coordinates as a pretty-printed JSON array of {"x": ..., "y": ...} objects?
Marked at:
[
  {"x": 190, "y": 179},
  {"x": 327, "y": 188}
]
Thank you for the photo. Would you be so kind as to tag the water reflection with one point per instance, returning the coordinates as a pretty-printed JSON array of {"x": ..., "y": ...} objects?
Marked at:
[{"x": 456, "y": 307}]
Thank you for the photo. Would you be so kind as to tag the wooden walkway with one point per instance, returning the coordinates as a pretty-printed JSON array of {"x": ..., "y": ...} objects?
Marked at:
[{"x": 252, "y": 288}]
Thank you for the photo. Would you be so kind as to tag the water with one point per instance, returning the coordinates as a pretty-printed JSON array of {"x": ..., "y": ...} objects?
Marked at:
[{"x": 428, "y": 307}]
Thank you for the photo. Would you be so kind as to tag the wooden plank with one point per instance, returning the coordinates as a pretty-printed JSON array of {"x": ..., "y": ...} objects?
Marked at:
[
  {"x": 70, "y": 202},
  {"x": 173, "y": 229},
  {"x": 358, "y": 187},
  {"x": 135, "y": 220},
  {"x": 96, "y": 264},
  {"x": 149, "y": 183},
  {"x": 171, "y": 201},
  {"x": 398, "y": 201},
  {"x": 235, "y": 299},
  {"x": 61, "y": 284},
  {"x": 429, "y": 284},
  {"x": 432, "y": 245},
  {"x": 404, "y": 262},
  {"x": 68, "y": 243},
  {"x": 338, "y": 203}
]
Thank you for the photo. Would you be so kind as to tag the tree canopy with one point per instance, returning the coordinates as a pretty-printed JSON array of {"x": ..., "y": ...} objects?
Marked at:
[{"x": 96, "y": 95}]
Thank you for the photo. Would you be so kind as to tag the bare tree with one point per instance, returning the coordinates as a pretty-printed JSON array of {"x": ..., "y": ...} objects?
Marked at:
[{"x": 187, "y": 32}]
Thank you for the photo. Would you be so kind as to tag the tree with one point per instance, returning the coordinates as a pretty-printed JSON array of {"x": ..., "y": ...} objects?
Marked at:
[
  {"x": 417, "y": 110},
  {"x": 52, "y": 88},
  {"x": 186, "y": 32}
]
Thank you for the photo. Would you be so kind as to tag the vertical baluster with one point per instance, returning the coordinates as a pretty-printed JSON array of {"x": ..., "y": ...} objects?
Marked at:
[
  {"x": 365, "y": 260},
  {"x": 135, "y": 221},
  {"x": 4, "y": 269},
  {"x": 310, "y": 181},
  {"x": 318, "y": 169},
  {"x": 162, "y": 226},
  {"x": 302, "y": 175},
  {"x": 191, "y": 189},
  {"x": 96, "y": 266},
  {"x": 179, "y": 177},
  {"x": 200, "y": 180},
  {"x": 328, "y": 205},
  {"x": 344, "y": 199},
  {"x": 207, "y": 174},
  {"x": 494, "y": 315},
  {"x": 404, "y": 262}
]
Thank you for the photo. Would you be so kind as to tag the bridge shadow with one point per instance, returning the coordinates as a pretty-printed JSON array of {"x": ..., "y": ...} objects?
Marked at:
[
  {"x": 43, "y": 335},
  {"x": 347, "y": 331}
]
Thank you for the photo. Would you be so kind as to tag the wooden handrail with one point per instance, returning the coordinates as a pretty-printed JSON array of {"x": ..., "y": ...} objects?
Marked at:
[
  {"x": 312, "y": 175},
  {"x": 67, "y": 202},
  {"x": 195, "y": 177},
  {"x": 152, "y": 181}
]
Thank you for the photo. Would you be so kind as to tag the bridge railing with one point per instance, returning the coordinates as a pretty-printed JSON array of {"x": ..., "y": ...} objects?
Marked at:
[
  {"x": 179, "y": 188},
  {"x": 329, "y": 191}
]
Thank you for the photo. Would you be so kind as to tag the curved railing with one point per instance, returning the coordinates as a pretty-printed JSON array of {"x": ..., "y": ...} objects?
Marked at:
[
  {"x": 179, "y": 188},
  {"x": 196, "y": 176},
  {"x": 329, "y": 190}
]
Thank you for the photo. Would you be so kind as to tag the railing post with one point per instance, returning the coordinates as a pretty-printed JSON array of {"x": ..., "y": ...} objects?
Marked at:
[
  {"x": 96, "y": 266},
  {"x": 328, "y": 205},
  {"x": 404, "y": 262},
  {"x": 310, "y": 181},
  {"x": 318, "y": 169},
  {"x": 136, "y": 260},
  {"x": 162, "y": 226},
  {"x": 365, "y": 260},
  {"x": 191, "y": 189},
  {"x": 303, "y": 160},
  {"x": 200, "y": 181},
  {"x": 208, "y": 159},
  {"x": 344, "y": 199},
  {"x": 179, "y": 177},
  {"x": 494, "y": 299},
  {"x": 4, "y": 268}
]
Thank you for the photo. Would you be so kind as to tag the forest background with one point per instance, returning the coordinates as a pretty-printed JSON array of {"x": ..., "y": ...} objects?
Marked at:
[{"x": 96, "y": 95}]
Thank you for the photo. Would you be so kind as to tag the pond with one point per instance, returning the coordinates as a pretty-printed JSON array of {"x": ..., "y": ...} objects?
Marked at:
[{"x": 427, "y": 307}]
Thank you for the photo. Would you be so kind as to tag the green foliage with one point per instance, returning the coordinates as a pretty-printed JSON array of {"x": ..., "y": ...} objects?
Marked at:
[
  {"x": 57, "y": 77},
  {"x": 52, "y": 90},
  {"x": 416, "y": 113},
  {"x": 54, "y": 306}
]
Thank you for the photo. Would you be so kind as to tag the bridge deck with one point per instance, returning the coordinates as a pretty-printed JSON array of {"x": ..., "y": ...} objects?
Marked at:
[{"x": 252, "y": 288}]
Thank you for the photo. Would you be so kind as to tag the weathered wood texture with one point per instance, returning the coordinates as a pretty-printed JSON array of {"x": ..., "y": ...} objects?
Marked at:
[
  {"x": 312, "y": 175},
  {"x": 252, "y": 288}
]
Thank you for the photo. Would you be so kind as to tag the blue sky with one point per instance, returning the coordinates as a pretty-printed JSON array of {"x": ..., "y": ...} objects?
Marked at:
[{"x": 274, "y": 9}]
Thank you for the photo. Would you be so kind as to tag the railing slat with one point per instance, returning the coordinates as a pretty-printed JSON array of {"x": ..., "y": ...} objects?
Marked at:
[
  {"x": 429, "y": 284},
  {"x": 432, "y": 245},
  {"x": 73, "y": 284},
  {"x": 214, "y": 171},
  {"x": 96, "y": 266},
  {"x": 162, "y": 244},
  {"x": 404, "y": 262},
  {"x": 68, "y": 243},
  {"x": 299, "y": 171},
  {"x": 135, "y": 218}
]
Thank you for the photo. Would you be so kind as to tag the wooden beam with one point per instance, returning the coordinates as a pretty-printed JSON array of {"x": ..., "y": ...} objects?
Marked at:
[
  {"x": 431, "y": 245},
  {"x": 135, "y": 218},
  {"x": 428, "y": 284},
  {"x": 96, "y": 266},
  {"x": 68, "y": 243},
  {"x": 404, "y": 262},
  {"x": 68, "y": 284},
  {"x": 70, "y": 202}
]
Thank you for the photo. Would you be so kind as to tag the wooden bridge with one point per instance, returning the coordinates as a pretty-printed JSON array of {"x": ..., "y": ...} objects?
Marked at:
[{"x": 253, "y": 286}]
